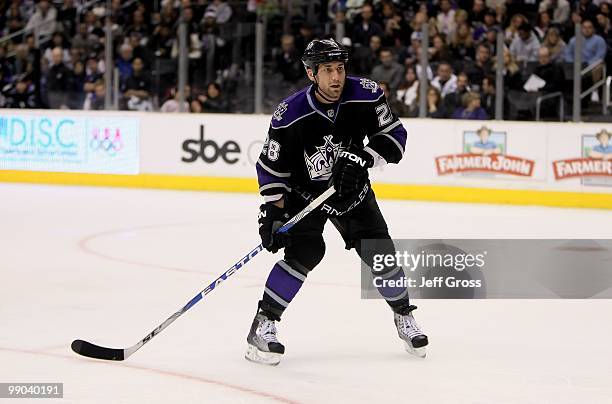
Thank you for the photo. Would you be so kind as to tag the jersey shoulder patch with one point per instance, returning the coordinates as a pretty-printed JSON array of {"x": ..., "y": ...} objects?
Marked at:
[
  {"x": 360, "y": 89},
  {"x": 291, "y": 109}
]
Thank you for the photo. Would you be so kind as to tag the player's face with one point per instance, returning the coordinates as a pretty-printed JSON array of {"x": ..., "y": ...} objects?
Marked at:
[
  {"x": 330, "y": 78},
  {"x": 604, "y": 139}
]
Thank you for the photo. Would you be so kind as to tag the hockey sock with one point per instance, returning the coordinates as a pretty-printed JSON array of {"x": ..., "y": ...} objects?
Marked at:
[{"x": 282, "y": 285}]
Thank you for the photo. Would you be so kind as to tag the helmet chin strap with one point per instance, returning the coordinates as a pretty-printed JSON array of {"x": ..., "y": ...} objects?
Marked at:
[{"x": 318, "y": 91}]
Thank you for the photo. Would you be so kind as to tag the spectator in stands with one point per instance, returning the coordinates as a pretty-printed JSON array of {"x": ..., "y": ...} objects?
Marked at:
[
  {"x": 461, "y": 17},
  {"x": 477, "y": 13},
  {"x": 524, "y": 47},
  {"x": 288, "y": 61},
  {"x": 124, "y": 62},
  {"x": 57, "y": 42},
  {"x": 340, "y": 18},
  {"x": 14, "y": 21},
  {"x": 512, "y": 29},
  {"x": 604, "y": 8},
  {"x": 214, "y": 101},
  {"x": 365, "y": 58},
  {"x": 168, "y": 14},
  {"x": 543, "y": 24},
  {"x": 388, "y": 70},
  {"x": 603, "y": 27},
  {"x": 21, "y": 95},
  {"x": 83, "y": 39},
  {"x": 445, "y": 81},
  {"x": 462, "y": 45},
  {"x": 481, "y": 67},
  {"x": 407, "y": 93},
  {"x": 67, "y": 16},
  {"x": 23, "y": 62},
  {"x": 417, "y": 65},
  {"x": 523, "y": 102},
  {"x": 513, "y": 79},
  {"x": 487, "y": 95},
  {"x": 59, "y": 80},
  {"x": 305, "y": 35},
  {"x": 43, "y": 19},
  {"x": 162, "y": 41},
  {"x": 139, "y": 50},
  {"x": 94, "y": 100},
  {"x": 446, "y": 19},
  {"x": 454, "y": 100},
  {"x": 137, "y": 89},
  {"x": 594, "y": 47},
  {"x": 550, "y": 72},
  {"x": 195, "y": 106},
  {"x": 409, "y": 56},
  {"x": 173, "y": 103},
  {"x": 471, "y": 108},
  {"x": 435, "y": 109},
  {"x": 439, "y": 52},
  {"x": 489, "y": 22},
  {"x": 586, "y": 9},
  {"x": 560, "y": 10},
  {"x": 555, "y": 44},
  {"x": 138, "y": 25},
  {"x": 490, "y": 40},
  {"x": 397, "y": 30},
  {"x": 92, "y": 73},
  {"x": 94, "y": 25},
  {"x": 78, "y": 84},
  {"x": 366, "y": 27},
  {"x": 418, "y": 20}
]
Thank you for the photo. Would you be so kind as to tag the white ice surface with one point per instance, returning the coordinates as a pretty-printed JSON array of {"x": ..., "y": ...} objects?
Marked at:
[{"x": 108, "y": 265}]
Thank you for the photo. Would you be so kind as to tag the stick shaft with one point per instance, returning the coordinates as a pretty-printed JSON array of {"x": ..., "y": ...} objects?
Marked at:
[{"x": 232, "y": 270}]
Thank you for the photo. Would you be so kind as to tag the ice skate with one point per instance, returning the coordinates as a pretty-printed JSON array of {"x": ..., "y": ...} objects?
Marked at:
[
  {"x": 263, "y": 346},
  {"x": 415, "y": 341}
]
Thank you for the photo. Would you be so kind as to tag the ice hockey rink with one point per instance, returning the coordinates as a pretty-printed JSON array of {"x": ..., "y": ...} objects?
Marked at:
[{"x": 108, "y": 265}]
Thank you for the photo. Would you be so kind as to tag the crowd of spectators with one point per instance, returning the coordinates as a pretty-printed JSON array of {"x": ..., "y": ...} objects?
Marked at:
[
  {"x": 67, "y": 69},
  {"x": 385, "y": 40}
]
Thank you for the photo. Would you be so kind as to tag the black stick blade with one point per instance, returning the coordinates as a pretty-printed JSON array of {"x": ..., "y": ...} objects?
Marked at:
[{"x": 97, "y": 352}]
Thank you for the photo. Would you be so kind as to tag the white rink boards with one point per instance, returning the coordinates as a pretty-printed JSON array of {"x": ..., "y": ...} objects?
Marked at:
[{"x": 108, "y": 265}]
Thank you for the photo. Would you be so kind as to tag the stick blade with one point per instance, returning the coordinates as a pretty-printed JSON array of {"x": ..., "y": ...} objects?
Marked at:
[{"x": 97, "y": 352}]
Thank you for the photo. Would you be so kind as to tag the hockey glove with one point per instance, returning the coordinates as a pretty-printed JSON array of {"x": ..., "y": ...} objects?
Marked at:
[
  {"x": 271, "y": 218},
  {"x": 350, "y": 171}
]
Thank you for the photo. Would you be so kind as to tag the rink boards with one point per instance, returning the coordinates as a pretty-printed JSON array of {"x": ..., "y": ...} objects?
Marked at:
[{"x": 550, "y": 164}]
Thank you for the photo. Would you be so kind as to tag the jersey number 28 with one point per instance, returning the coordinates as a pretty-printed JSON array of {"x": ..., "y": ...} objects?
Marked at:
[{"x": 384, "y": 115}]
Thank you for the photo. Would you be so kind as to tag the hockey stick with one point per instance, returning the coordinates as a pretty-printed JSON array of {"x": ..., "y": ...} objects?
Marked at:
[{"x": 116, "y": 354}]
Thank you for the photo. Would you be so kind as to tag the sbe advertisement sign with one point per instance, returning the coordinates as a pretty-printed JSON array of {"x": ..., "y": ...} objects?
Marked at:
[{"x": 65, "y": 143}]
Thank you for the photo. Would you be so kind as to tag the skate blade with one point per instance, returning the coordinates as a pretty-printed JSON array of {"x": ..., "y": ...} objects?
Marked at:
[
  {"x": 264, "y": 358},
  {"x": 420, "y": 352}
]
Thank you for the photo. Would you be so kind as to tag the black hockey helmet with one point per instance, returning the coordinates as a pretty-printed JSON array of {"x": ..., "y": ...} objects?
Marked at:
[{"x": 323, "y": 51}]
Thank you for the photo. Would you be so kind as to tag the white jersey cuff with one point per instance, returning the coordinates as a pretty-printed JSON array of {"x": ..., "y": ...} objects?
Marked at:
[{"x": 378, "y": 159}]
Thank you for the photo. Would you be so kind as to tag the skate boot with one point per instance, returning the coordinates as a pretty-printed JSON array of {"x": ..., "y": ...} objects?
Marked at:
[
  {"x": 408, "y": 330},
  {"x": 263, "y": 346}
]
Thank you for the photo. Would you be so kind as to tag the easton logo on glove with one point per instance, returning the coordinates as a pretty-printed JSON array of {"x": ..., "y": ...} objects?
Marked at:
[{"x": 353, "y": 157}]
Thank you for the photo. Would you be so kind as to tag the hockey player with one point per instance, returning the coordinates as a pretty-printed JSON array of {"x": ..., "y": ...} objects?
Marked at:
[{"x": 315, "y": 140}]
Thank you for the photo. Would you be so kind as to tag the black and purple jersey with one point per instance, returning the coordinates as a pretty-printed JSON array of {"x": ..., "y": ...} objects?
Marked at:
[{"x": 305, "y": 136}]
